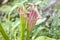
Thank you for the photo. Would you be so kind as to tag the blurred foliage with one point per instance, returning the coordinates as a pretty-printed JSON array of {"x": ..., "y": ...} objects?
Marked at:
[
  {"x": 10, "y": 20},
  {"x": 44, "y": 38}
]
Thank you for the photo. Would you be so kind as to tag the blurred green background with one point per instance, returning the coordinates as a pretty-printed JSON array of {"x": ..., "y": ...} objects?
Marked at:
[{"x": 9, "y": 18}]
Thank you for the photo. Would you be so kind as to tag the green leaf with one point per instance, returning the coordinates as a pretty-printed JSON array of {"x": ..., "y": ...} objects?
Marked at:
[
  {"x": 40, "y": 21},
  {"x": 22, "y": 1},
  {"x": 44, "y": 38},
  {"x": 3, "y": 33}
]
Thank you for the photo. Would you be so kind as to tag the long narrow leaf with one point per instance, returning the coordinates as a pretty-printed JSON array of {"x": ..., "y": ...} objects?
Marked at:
[{"x": 3, "y": 33}]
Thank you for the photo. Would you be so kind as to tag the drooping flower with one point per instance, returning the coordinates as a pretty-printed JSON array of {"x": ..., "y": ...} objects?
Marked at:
[{"x": 33, "y": 15}]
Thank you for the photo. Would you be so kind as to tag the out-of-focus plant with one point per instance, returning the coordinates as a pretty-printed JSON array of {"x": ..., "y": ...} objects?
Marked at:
[
  {"x": 5, "y": 37},
  {"x": 23, "y": 20},
  {"x": 44, "y": 38},
  {"x": 50, "y": 28},
  {"x": 32, "y": 17},
  {"x": 28, "y": 19}
]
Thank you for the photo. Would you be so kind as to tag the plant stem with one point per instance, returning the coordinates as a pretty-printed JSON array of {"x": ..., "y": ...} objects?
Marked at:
[
  {"x": 28, "y": 32},
  {"x": 23, "y": 22}
]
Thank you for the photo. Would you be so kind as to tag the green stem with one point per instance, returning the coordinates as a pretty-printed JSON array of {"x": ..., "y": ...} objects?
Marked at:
[
  {"x": 28, "y": 33},
  {"x": 23, "y": 22}
]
